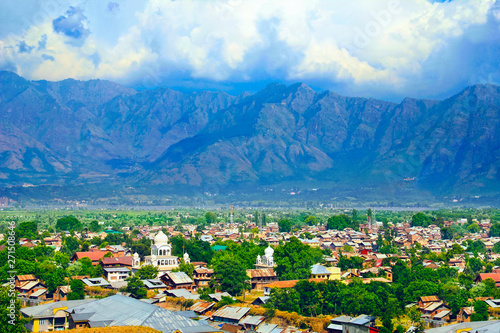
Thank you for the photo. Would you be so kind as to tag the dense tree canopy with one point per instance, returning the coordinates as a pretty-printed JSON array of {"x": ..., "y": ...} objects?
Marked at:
[
  {"x": 340, "y": 222},
  {"x": 229, "y": 273},
  {"x": 69, "y": 223},
  {"x": 294, "y": 260},
  {"x": 421, "y": 220}
]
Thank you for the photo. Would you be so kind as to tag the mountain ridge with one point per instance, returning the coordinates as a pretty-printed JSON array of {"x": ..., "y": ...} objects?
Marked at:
[{"x": 80, "y": 132}]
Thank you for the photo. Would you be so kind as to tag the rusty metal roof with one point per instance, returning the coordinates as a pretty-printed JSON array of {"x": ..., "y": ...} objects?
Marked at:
[
  {"x": 261, "y": 272},
  {"x": 202, "y": 306},
  {"x": 426, "y": 299},
  {"x": 231, "y": 312}
]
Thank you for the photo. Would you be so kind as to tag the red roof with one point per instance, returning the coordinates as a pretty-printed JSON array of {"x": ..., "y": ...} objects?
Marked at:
[
  {"x": 494, "y": 276},
  {"x": 123, "y": 261},
  {"x": 94, "y": 255}
]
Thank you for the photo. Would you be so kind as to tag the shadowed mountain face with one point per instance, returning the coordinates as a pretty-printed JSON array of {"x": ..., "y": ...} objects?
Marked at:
[{"x": 81, "y": 132}]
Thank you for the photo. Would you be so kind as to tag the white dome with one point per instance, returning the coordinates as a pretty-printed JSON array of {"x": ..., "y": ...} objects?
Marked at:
[
  {"x": 161, "y": 239},
  {"x": 136, "y": 255},
  {"x": 269, "y": 251},
  {"x": 186, "y": 255}
]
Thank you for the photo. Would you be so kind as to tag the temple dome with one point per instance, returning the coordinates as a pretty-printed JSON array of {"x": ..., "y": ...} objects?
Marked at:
[
  {"x": 269, "y": 251},
  {"x": 161, "y": 239}
]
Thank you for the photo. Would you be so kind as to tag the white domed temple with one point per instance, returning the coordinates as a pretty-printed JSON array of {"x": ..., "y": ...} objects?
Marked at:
[
  {"x": 161, "y": 254},
  {"x": 266, "y": 261}
]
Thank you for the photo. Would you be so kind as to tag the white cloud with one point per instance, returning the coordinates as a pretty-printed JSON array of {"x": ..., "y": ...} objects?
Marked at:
[{"x": 360, "y": 44}]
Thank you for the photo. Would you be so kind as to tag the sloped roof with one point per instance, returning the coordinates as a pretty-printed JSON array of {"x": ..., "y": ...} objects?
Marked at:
[
  {"x": 288, "y": 283},
  {"x": 252, "y": 320},
  {"x": 125, "y": 261},
  {"x": 118, "y": 310},
  {"x": 26, "y": 277},
  {"x": 319, "y": 269},
  {"x": 231, "y": 312},
  {"x": 202, "y": 306},
  {"x": 178, "y": 277},
  {"x": 261, "y": 272},
  {"x": 46, "y": 310},
  {"x": 94, "y": 255},
  {"x": 426, "y": 299}
]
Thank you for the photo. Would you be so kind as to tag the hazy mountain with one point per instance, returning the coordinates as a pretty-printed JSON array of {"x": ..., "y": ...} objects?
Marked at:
[{"x": 79, "y": 132}]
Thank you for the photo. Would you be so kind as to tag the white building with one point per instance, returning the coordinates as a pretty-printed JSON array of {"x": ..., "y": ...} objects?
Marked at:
[
  {"x": 266, "y": 261},
  {"x": 161, "y": 254}
]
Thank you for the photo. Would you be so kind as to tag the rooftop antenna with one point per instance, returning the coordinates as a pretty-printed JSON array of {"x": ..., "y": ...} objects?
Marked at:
[{"x": 231, "y": 214}]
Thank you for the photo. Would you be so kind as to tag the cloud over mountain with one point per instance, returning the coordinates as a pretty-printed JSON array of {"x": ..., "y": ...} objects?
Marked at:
[{"x": 386, "y": 49}]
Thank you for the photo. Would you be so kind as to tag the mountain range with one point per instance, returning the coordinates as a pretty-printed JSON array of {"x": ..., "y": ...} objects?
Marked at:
[{"x": 99, "y": 132}]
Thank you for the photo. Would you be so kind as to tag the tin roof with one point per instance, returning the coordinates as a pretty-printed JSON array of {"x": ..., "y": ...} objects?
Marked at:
[
  {"x": 252, "y": 320},
  {"x": 178, "y": 277},
  {"x": 202, "y": 306},
  {"x": 261, "y": 272},
  {"x": 231, "y": 312},
  {"x": 118, "y": 310}
]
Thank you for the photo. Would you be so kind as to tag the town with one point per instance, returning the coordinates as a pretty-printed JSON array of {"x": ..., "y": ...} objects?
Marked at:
[{"x": 262, "y": 272}]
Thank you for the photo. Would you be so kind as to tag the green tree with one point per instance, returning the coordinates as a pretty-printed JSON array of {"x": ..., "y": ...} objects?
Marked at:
[
  {"x": 311, "y": 220},
  {"x": 210, "y": 217},
  {"x": 98, "y": 271},
  {"x": 186, "y": 268},
  {"x": 285, "y": 225},
  {"x": 340, "y": 222},
  {"x": 495, "y": 230},
  {"x": 294, "y": 260},
  {"x": 474, "y": 228},
  {"x": 68, "y": 223},
  {"x": 481, "y": 311},
  {"x": 475, "y": 264},
  {"x": 229, "y": 273},
  {"x": 77, "y": 290},
  {"x": 11, "y": 319},
  {"x": 147, "y": 272},
  {"x": 135, "y": 287},
  {"x": 27, "y": 230},
  {"x": 421, "y": 220},
  {"x": 94, "y": 226}
]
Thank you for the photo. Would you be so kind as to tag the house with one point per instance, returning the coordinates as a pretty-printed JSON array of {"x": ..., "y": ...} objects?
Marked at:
[
  {"x": 119, "y": 310},
  {"x": 117, "y": 273},
  {"x": 182, "y": 293},
  {"x": 30, "y": 287},
  {"x": 22, "y": 279},
  {"x": 359, "y": 324},
  {"x": 495, "y": 276},
  {"x": 51, "y": 316},
  {"x": 177, "y": 280},
  {"x": 95, "y": 256},
  {"x": 61, "y": 293},
  {"x": 261, "y": 300},
  {"x": 284, "y": 285},
  {"x": 320, "y": 272},
  {"x": 218, "y": 296},
  {"x": 424, "y": 301},
  {"x": 261, "y": 276},
  {"x": 96, "y": 282},
  {"x": 154, "y": 284},
  {"x": 202, "y": 308},
  {"x": 117, "y": 262},
  {"x": 230, "y": 314},
  {"x": 464, "y": 315},
  {"x": 202, "y": 276},
  {"x": 251, "y": 322}
]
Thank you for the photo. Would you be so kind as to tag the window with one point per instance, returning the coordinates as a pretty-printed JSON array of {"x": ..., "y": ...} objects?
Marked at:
[{"x": 41, "y": 321}]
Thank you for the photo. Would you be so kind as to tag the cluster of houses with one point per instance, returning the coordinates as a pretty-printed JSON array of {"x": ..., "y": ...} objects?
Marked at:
[{"x": 119, "y": 263}]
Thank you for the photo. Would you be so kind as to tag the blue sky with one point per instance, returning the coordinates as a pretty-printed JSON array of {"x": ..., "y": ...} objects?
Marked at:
[{"x": 386, "y": 49}]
